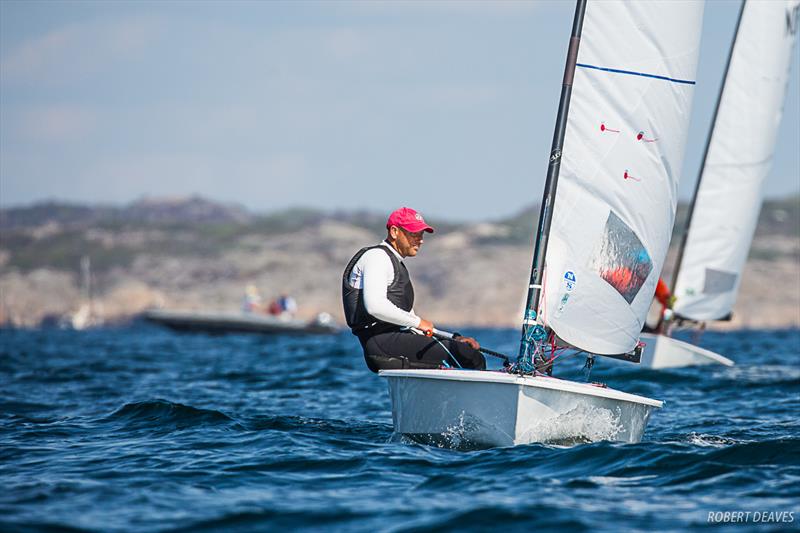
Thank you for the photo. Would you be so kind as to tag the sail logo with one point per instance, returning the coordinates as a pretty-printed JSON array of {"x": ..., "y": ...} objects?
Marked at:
[
  {"x": 569, "y": 280},
  {"x": 791, "y": 19},
  {"x": 569, "y": 285}
]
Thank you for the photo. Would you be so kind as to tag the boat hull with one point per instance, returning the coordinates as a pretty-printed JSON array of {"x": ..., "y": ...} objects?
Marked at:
[
  {"x": 458, "y": 408},
  {"x": 225, "y": 322},
  {"x": 661, "y": 351}
]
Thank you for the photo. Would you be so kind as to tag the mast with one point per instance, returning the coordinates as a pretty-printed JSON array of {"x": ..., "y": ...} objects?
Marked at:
[
  {"x": 86, "y": 275},
  {"x": 690, "y": 214},
  {"x": 551, "y": 182}
]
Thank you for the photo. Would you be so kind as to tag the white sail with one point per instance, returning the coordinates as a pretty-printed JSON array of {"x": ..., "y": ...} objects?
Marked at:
[
  {"x": 739, "y": 158},
  {"x": 623, "y": 151}
]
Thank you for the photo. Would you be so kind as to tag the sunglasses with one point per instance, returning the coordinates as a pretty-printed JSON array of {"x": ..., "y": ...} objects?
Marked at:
[{"x": 414, "y": 235}]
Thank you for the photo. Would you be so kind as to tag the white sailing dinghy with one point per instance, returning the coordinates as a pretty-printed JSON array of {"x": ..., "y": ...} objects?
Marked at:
[
  {"x": 724, "y": 210},
  {"x": 620, "y": 136}
]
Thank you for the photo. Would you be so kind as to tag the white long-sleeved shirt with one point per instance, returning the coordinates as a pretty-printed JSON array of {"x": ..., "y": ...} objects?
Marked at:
[{"x": 373, "y": 273}]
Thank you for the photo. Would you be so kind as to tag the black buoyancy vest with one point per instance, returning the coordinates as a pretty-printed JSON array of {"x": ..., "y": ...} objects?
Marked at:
[{"x": 400, "y": 293}]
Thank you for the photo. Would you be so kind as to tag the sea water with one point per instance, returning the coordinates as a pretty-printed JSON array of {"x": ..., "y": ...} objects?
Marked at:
[{"x": 142, "y": 429}]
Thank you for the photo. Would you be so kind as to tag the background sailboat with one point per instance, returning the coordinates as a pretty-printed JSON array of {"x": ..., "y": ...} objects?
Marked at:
[
  {"x": 89, "y": 314},
  {"x": 724, "y": 210},
  {"x": 602, "y": 236}
]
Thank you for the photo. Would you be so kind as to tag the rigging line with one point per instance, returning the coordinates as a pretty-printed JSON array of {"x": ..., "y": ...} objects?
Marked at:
[
  {"x": 448, "y": 353},
  {"x": 559, "y": 356},
  {"x": 494, "y": 354},
  {"x": 443, "y": 346},
  {"x": 444, "y": 334},
  {"x": 634, "y": 73}
]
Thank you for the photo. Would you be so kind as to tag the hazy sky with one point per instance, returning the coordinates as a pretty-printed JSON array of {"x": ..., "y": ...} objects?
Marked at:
[{"x": 448, "y": 107}]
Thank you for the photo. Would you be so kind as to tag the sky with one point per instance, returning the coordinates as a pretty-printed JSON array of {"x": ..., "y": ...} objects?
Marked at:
[{"x": 448, "y": 107}]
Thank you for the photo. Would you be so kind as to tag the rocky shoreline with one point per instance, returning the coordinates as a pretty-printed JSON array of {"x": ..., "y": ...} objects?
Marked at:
[{"x": 466, "y": 275}]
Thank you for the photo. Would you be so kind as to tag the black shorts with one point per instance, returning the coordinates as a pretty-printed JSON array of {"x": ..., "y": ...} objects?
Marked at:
[{"x": 406, "y": 349}]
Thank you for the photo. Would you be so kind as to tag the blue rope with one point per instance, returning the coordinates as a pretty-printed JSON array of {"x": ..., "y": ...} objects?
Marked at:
[
  {"x": 448, "y": 353},
  {"x": 533, "y": 338},
  {"x": 443, "y": 346}
]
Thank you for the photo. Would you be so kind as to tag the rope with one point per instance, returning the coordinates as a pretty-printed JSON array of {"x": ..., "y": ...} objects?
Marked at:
[
  {"x": 448, "y": 353},
  {"x": 495, "y": 354},
  {"x": 437, "y": 334},
  {"x": 559, "y": 356}
]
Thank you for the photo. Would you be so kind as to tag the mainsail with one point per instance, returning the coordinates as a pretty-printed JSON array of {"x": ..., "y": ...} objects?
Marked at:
[
  {"x": 738, "y": 158},
  {"x": 622, "y": 154}
]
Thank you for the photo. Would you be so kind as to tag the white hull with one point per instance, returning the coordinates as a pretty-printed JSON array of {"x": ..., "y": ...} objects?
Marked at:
[
  {"x": 462, "y": 408},
  {"x": 661, "y": 351}
]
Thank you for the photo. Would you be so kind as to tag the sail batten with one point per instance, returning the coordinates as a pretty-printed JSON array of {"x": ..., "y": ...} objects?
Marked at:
[
  {"x": 623, "y": 148},
  {"x": 738, "y": 158}
]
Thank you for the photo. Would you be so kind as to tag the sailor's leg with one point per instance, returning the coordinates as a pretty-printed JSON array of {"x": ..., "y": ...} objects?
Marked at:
[
  {"x": 466, "y": 355},
  {"x": 421, "y": 351}
]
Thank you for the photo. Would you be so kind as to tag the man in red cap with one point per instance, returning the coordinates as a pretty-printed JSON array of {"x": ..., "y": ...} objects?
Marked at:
[{"x": 379, "y": 304}]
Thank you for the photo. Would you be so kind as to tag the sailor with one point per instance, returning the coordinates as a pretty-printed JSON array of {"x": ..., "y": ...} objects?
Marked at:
[
  {"x": 288, "y": 305},
  {"x": 251, "y": 303},
  {"x": 663, "y": 295},
  {"x": 378, "y": 302},
  {"x": 658, "y": 323}
]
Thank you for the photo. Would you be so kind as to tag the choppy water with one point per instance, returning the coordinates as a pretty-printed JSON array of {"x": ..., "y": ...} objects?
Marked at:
[{"x": 142, "y": 429}]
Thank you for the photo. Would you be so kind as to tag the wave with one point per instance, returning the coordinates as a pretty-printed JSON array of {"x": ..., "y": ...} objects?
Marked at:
[
  {"x": 775, "y": 452},
  {"x": 679, "y": 463},
  {"x": 271, "y": 520},
  {"x": 711, "y": 441},
  {"x": 39, "y": 527},
  {"x": 488, "y": 518},
  {"x": 163, "y": 414},
  {"x": 344, "y": 430},
  {"x": 296, "y": 434}
]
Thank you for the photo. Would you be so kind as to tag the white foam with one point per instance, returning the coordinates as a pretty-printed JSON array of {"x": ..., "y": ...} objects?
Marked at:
[
  {"x": 584, "y": 423},
  {"x": 711, "y": 441}
]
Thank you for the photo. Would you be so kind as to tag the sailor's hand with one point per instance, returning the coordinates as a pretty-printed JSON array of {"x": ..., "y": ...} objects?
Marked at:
[
  {"x": 469, "y": 340},
  {"x": 425, "y": 326}
]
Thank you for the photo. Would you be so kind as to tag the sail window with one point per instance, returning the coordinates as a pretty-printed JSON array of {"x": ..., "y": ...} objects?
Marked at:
[
  {"x": 621, "y": 259},
  {"x": 718, "y": 281}
]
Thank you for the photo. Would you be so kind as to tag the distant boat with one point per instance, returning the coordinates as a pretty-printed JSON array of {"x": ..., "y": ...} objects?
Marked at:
[
  {"x": 662, "y": 351},
  {"x": 602, "y": 237},
  {"x": 239, "y": 322},
  {"x": 88, "y": 314},
  {"x": 724, "y": 210}
]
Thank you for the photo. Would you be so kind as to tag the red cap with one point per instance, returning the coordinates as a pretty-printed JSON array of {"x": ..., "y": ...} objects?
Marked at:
[{"x": 409, "y": 220}]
